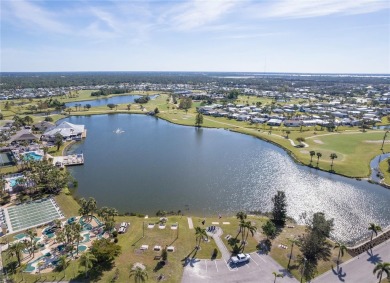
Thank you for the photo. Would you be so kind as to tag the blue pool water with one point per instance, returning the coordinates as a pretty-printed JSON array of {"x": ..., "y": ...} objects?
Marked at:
[
  {"x": 13, "y": 182},
  {"x": 33, "y": 155}
]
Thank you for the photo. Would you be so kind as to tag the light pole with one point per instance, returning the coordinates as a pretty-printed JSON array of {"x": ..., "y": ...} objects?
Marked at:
[{"x": 303, "y": 270}]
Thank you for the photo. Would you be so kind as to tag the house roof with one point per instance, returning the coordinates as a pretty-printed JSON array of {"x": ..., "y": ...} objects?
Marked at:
[
  {"x": 65, "y": 129},
  {"x": 25, "y": 137}
]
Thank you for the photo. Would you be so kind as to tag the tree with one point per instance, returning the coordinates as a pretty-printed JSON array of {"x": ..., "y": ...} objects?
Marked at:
[
  {"x": 314, "y": 245},
  {"x": 28, "y": 120},
  {"x": 185, "y": 103},
  {"x": 87, "y": 260},
  {"x": 88, "y": 106},
  {"x": 342, "y": 248},
  {"x": 269, "y": 229},
  {"x": 198, "y": 119},
  {"x": 312, "y": 153},
  {"x": 156, "y": 111},
  {"x": 16, "y": 249},
  {"x": 111, "y": 106},
  {"x": 233, "y": 94},
  {"x": 332, "y": 156},
  {"x": 287, "y": 132},
  {"x": 279, "y": 210},
  {"x": 139, "y": 274},
  {"x": 58, "y": 140},
  {"x": 374, "y": 228},
  {"x": 31, "y": 234},
  {"x": 200, "y": 233},
  {"x": 380, "y": 268},
  {"x": 128, "y": 107},
  {"x": 276, "y": 274},
  {"x": 104, "y": 250},
  {"x": 293, "y": 242},
  {"x": 249, "y": 229},
  {"x": 62, "y": 263},
  {"x": 319, "y": 155}
]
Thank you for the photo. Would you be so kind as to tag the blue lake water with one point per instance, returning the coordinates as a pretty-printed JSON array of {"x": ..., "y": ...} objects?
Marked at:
[
  {"x": 103, "y": 101},
  {"x": 156, "y": 165}
]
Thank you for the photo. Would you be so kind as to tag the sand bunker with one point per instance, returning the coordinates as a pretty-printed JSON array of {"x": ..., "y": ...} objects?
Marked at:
[{"x": 318, "y": 141}]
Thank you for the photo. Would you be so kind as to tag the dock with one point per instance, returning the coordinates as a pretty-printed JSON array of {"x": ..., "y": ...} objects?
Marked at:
[{"x": 68, "y": 160}]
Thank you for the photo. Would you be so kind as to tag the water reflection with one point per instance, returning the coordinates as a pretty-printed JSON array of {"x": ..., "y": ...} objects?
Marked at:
[{"x": 157, "y": 165}]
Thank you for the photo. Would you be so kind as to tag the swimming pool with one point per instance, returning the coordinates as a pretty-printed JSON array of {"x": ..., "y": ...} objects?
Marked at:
[
  {"x": 32, "y": 155},
  {"x": 14, "y": 181}
]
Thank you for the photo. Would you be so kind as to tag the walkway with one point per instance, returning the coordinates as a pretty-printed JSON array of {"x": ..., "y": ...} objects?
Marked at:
[
  {"x": 359, "y": 268},
  {"x": 190, "y": 224},
  {"x": 221, "y": 246}
]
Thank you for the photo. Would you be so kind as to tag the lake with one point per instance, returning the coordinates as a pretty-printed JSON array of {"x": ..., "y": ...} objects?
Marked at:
[
  {"x": 103, "y": 101},
  {"x": 154, "y": 165}
]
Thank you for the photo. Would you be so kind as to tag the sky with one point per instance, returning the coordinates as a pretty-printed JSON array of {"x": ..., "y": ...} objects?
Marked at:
[{"x": 307, "y": 36}]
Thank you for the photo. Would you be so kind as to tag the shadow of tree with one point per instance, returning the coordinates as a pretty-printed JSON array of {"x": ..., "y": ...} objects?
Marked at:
[
  {"x": 374, "y": 259},
  {"x": 339, "y": 272}
]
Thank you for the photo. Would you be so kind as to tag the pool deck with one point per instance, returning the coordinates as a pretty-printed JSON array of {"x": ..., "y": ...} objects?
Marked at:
[{"x": 68, "y": 160}]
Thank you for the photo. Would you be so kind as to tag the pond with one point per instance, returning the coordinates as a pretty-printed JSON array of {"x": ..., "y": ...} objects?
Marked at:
[
  {"x": 103, "y": 101},
  {"x": 151, "y": 164}
]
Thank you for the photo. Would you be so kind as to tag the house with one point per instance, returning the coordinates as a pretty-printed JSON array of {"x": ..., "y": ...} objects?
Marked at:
[
  {"x": 292, "y": 123},
  {"x": 42, "y": 126},
  {"x": 274, "y": 122},
  {"x": 66, "y": 130}
]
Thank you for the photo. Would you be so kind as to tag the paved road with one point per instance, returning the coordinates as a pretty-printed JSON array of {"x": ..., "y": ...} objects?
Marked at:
[{"x": 359, "y": 269}]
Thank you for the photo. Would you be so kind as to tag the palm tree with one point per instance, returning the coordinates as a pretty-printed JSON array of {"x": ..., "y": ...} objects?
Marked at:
[
  {"x": 249, "y": 229},
  {"x": 312, "y": 153},
  {"x": 319, "y": 155},
  {"x": 276, "y": 274},
  {"x": 31, "y": 234},
  {"x": 87, "y": 260},
  {"x": 332, "y": 156},
  {"x": 139, "y": 274},
  {"x": 374, "y": 229},
  {"x": 92, "y": 206},
  {"x": 16, "y": 250},
  {"x": 380, "y": 268},
  {"x": 342, "y": 248},
  {"x": 241, "y": 215},
  {"x": 200, "y": 233},
  {"x": 62, "y": 263},
  {"x": 293, "y": 242}
]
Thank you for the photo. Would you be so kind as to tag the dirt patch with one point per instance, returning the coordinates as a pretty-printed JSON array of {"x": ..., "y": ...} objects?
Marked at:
[{"x": 318, "y": 141}]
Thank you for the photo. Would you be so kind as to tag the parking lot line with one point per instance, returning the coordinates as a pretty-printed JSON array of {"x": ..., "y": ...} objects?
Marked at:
[
  {"x": 252, "y": 259},
  {"x": 261, "y": 257},
  {"x": 205, "y": 262},
  {"x": 216, "y": 266}
]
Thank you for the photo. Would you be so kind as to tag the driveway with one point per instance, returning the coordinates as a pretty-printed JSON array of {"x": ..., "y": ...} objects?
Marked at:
[{"x": 258, "y": 269}]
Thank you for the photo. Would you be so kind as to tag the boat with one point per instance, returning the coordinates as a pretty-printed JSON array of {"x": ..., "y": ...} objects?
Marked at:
[{"x": 118, "y": 131}]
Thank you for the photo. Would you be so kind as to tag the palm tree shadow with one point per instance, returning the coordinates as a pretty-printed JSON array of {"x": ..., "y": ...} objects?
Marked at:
[
  {"x": 190, "y": 258},
  {"x": 374, "y": 259},
  {"x": 286, "y": 273},
  {"x": 339, "y": 273}
]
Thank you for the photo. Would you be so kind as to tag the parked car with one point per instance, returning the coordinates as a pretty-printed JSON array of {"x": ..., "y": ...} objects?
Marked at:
[
  {"x": 240, "y": 258},
  {"x": 124, "y": 224},
  {"x": 121, "y": 230}
]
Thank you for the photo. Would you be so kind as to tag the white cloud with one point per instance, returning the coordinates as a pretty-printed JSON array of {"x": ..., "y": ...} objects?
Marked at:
[
  {"x": 34, "y": 16},
  {"x": 316, "y": 8},
  {"x": 198, "y": 13}
]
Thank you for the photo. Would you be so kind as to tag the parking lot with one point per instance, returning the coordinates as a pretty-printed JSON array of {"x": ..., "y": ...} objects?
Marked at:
[{"x": 258, "y": 269}]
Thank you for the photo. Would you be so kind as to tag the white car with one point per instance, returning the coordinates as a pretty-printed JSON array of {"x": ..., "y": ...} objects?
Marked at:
[
  {"x": 124, "y": 224},
  {"x": 122, "y": 230},
  {"x": 240, "y": 258}
]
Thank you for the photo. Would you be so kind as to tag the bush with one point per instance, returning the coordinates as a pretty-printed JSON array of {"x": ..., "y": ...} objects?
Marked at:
[
  {"x": 115, "y": 234},
  {"x": 115, "y": 240}
]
